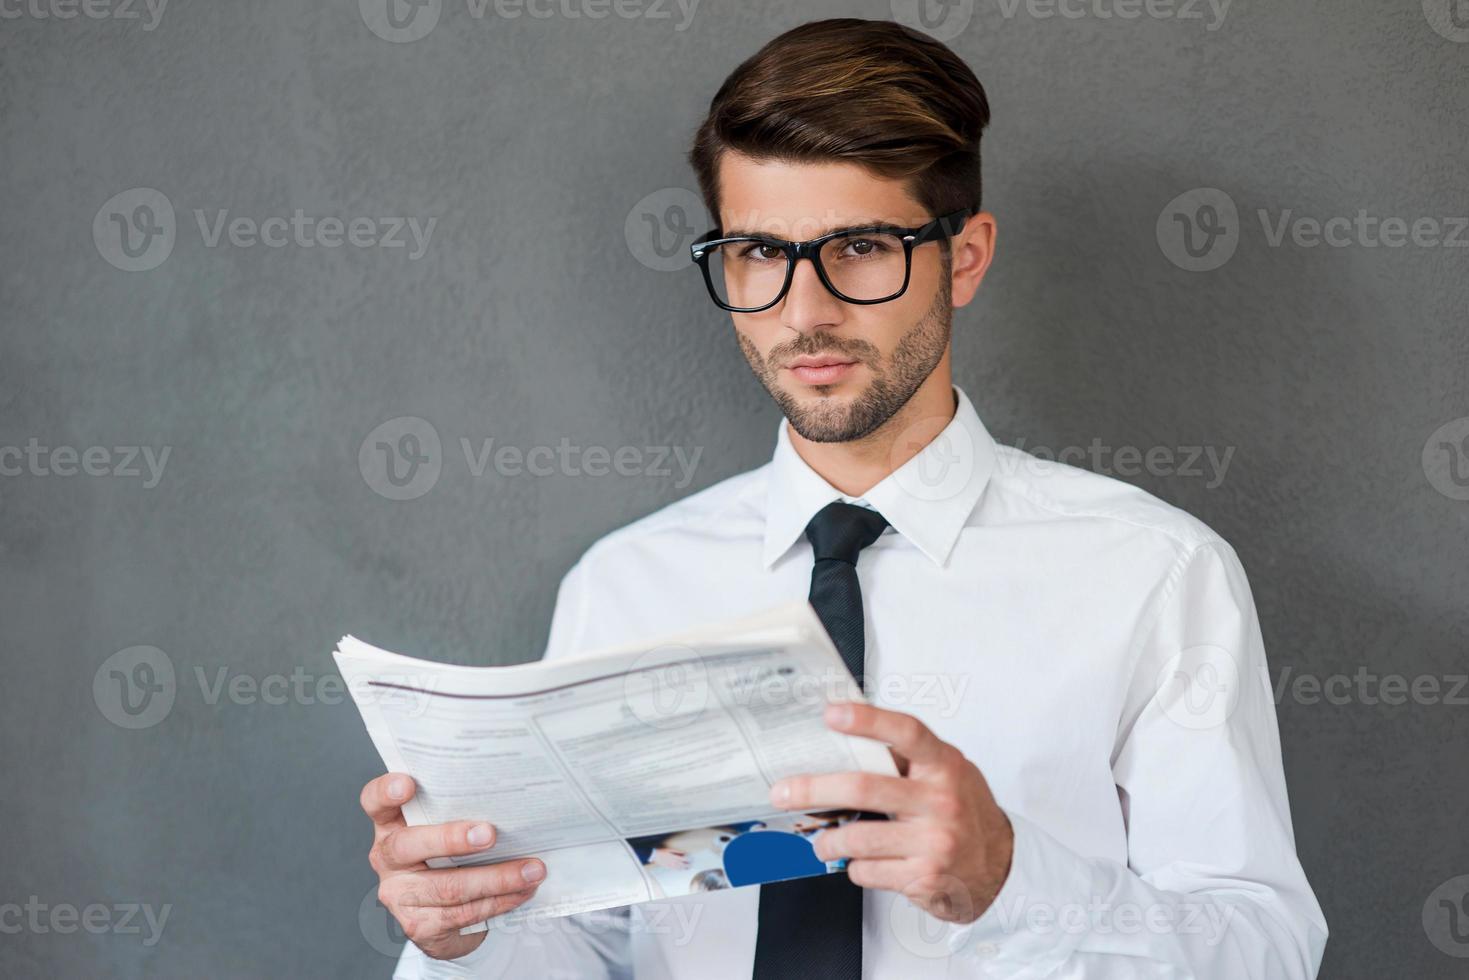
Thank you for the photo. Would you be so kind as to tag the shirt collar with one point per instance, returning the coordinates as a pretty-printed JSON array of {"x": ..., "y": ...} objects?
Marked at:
[{"x": 926, "y": 500}]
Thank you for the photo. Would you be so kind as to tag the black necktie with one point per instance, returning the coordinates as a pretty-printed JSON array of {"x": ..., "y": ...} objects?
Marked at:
[{"x": 811, "y": 928}]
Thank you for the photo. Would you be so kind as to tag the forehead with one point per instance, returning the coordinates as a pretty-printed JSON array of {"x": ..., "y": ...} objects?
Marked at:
[{"x": 803, "y": 200}]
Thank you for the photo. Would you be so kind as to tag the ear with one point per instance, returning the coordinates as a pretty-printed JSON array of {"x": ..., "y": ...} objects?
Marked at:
[{"x": 971, "y": 250}]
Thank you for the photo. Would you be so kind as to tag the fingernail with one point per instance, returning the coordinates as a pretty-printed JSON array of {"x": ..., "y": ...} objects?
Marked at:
[
  {"x": 397, "y": 788},
  {"x": 839, "y": 715},
  {"x": 780, "y": 794},
  {"x": 533, "y": 871},
  {"x": 480, "y": 834}
]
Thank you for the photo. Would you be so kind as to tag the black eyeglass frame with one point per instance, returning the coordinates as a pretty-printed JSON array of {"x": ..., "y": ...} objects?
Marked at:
[{"x": 943, "y": 227}]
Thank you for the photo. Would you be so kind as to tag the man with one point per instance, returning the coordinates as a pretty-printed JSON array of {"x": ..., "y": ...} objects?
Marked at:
[{"x": 1100, "y": 792}]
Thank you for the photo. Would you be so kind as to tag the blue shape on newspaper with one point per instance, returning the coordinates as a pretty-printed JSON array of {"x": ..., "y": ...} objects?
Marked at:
[{"x": 770, "y": 855}]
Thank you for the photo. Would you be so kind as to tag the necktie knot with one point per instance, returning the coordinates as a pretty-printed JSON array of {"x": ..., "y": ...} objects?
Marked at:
[{"x": 841, "y": 530}]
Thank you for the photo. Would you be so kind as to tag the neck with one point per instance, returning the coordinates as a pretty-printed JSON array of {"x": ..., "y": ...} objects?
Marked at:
[{"x": 857, "y": 466}]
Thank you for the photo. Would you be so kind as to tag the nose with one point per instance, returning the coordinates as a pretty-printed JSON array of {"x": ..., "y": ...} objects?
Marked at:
[{"x": 808, "y": 305}]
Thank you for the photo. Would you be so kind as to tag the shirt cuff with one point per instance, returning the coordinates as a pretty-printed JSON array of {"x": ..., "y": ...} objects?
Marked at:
[
  {"x": 1039, "y": 916},
  {"x": 415, "y": 964}
]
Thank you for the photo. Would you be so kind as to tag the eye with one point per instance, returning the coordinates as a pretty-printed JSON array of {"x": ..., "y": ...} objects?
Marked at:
[
  {"x": 862, "y": 248},
  {"x": 759, "y": 251}
]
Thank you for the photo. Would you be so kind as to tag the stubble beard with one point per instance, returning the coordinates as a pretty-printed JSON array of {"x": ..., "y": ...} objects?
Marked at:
[{"x": 893, "y": 383}]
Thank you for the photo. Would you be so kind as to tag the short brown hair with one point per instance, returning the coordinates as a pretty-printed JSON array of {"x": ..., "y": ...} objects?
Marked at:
[{"x": 870, "y": 92}]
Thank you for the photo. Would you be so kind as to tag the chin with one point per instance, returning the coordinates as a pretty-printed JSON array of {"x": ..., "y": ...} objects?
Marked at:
[
  {"x": 822, "y": 418},
  {"x": 826, "y": 394}
]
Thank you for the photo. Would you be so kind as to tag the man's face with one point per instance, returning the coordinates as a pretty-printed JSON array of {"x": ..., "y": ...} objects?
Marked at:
[{"x": 837, "y": 370}]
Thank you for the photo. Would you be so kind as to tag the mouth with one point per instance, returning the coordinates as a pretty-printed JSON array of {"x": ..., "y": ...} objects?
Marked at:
[{"x": 821, "y": 369}]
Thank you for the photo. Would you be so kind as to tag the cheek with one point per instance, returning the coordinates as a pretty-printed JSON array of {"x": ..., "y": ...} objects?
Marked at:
[
  {"x": 928, "y": 268},
  {"x": 884, "y": 325},
  {"x": 758, "y": 335}
]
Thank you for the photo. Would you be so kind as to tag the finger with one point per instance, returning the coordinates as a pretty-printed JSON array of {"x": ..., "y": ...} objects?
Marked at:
[
  {"x": 906, "y": 734},
  {"x": 409, "y": 847},
  {"x": 383, "y": 798},
  {"x": 448, "y": 887},
  {"x": 850, "y": 791},
  {"x": 482, "y": 909},
  {"x": 867, "y": 839}
]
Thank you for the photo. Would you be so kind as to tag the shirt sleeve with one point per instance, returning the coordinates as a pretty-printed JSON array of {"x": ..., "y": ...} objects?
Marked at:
[
  {"x": 574, "y": 947},
  {"x": 1212, "y": 888}
]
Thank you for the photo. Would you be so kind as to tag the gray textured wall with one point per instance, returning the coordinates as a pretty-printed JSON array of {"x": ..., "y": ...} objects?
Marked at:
[{"x": 539, "y": 311}]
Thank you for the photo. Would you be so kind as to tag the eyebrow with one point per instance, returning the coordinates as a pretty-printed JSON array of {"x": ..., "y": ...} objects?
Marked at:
[{"x": 757, "y": 233}]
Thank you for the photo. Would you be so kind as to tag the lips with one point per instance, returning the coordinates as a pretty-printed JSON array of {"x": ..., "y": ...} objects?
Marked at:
[{"x": 821, "y": 369}]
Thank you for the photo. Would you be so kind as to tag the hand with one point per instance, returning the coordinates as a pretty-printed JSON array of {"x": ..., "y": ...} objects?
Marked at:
[
  {"x": 433, "y": 904},
  {"x": 947, "y": 848}
]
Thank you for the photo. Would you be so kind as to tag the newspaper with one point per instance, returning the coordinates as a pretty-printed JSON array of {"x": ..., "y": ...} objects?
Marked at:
[{"x": 635, "y": 773}]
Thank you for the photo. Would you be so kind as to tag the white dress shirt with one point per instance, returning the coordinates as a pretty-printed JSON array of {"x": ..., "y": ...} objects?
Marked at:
[{"x": 1093, "y": 650}]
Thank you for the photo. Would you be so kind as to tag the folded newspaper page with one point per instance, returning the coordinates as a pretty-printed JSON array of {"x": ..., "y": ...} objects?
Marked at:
[{"x": 635, "y": 773}]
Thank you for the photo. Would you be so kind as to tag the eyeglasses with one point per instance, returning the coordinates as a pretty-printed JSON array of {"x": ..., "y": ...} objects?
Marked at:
[{"x": 872, "y": 264}]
